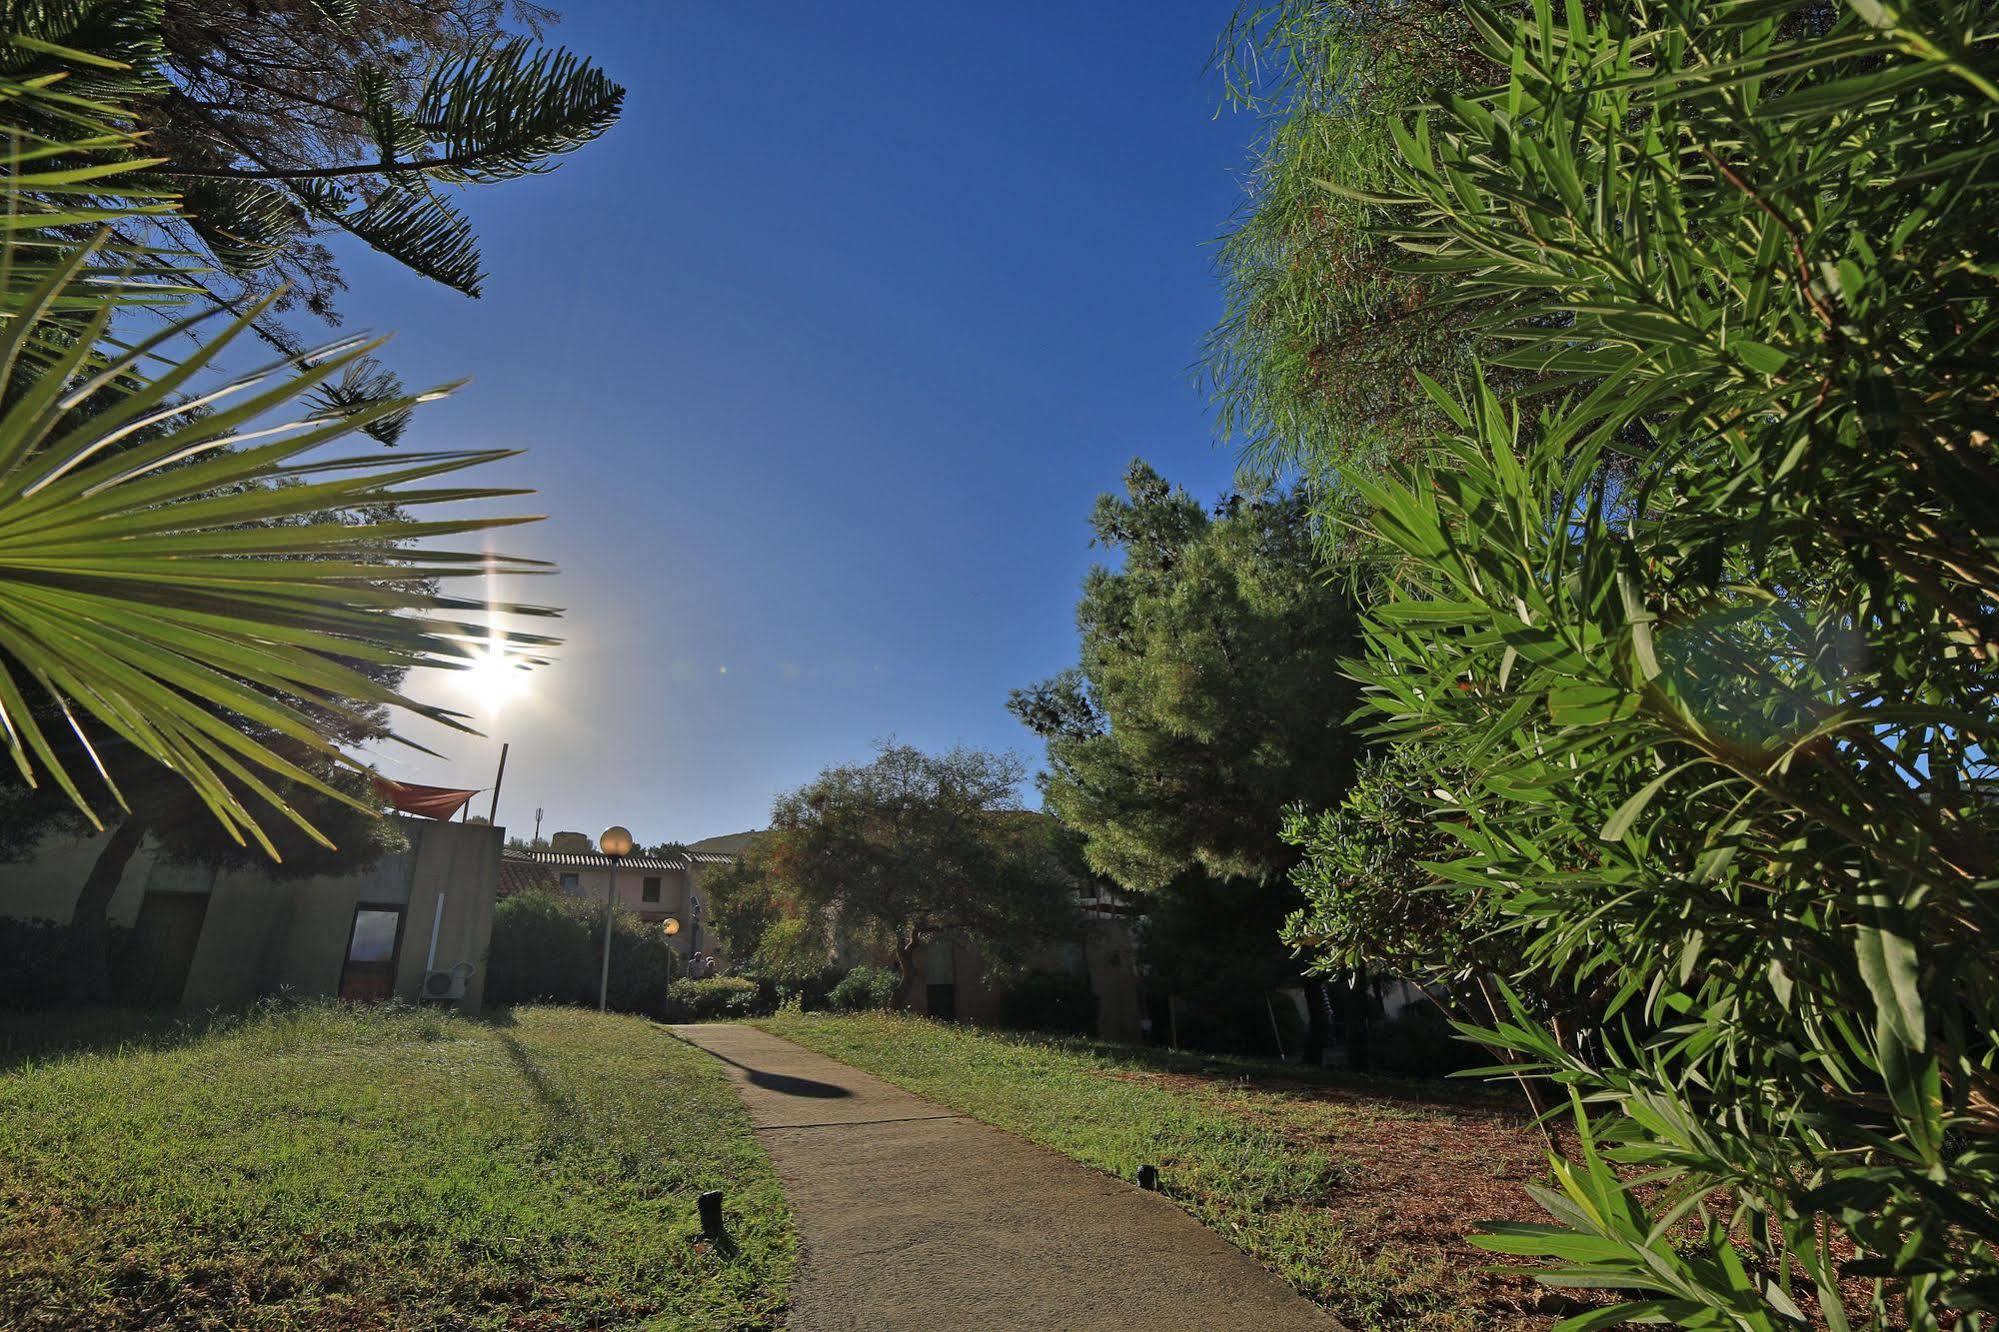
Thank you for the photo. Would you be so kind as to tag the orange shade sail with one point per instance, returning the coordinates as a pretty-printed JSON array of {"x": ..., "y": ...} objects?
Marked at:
[{"x": 432, "y": 802}]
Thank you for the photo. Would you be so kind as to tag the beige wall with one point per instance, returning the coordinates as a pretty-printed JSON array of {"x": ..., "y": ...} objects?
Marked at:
[
  {"x": 45, "y": 888},
  {"x": 261, "y": 936}
]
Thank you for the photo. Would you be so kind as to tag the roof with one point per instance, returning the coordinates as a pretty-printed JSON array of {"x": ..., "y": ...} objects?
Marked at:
[
  {"x": 519, "y": 874},
  {"x": 597, "y": 860}
]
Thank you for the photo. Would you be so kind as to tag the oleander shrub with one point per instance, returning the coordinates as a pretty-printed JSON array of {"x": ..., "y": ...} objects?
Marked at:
[{"x": 1711, "y": 640}]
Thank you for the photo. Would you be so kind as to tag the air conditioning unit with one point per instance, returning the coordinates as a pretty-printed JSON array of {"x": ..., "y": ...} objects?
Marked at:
[{"x": 440, "y": 986}]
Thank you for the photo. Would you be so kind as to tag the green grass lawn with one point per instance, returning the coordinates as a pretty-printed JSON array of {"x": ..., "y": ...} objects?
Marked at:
[
  {"x": 1357, "y": 1190},
  {"x": 333, "y": 1167}
]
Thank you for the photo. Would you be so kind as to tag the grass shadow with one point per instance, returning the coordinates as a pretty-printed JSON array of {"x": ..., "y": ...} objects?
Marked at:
[
  {"x": 555, "y": 1103},
  {"x": 1271, "y": 1076},
  {"x": 54, "y": 1035},
  {"x": 724, "y": 1245}
]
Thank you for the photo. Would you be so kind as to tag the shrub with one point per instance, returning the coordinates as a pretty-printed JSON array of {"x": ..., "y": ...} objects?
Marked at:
[
  {"x": 866, "y": 987},
  {"x": 1716, "y": 634},
  {"x": 715, "y": 997},
  {"x": 1050, "y": 1001},
  {"x": 33, "y": 965},
  {"x": 549, "y": 948},
  {"x": 805, "y": 992},
  {"x": 30, "y": 963}
]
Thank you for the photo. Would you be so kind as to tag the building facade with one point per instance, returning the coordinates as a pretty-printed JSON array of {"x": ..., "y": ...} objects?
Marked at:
[
  {"x": 657, "y": 889},
  {"x": 202, "y": 937}
]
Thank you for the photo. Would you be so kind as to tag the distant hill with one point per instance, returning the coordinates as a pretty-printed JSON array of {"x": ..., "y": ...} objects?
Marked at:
[{"x": 728, "y": 844}]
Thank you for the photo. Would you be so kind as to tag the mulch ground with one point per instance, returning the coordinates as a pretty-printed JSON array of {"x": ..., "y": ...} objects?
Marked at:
[
  {"x": 1421, "y": 1170},
  {"x": 1418, "y": 1172}
]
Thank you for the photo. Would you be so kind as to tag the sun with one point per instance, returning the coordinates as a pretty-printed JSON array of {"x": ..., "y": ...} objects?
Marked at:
[{"x": 495, "y": 676}]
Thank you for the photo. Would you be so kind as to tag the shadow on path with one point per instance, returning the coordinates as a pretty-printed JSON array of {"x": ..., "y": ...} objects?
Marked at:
[{"x": 784, "y": 1084}]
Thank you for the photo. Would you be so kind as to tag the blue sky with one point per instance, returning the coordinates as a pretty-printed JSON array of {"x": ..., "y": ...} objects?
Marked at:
[{"x": 819, "y": 359}]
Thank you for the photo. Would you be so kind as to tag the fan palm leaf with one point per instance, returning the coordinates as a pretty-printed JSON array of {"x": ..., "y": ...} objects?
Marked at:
[
  {"x": 188, "y": 565},
  {"x": 223, "y": 580}
]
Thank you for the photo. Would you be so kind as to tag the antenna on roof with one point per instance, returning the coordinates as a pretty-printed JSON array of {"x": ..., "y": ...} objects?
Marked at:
[{"x": 537, "y": 823}]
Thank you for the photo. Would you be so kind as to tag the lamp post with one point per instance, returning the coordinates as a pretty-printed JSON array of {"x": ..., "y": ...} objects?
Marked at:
[{"x": 616, "y": 843}]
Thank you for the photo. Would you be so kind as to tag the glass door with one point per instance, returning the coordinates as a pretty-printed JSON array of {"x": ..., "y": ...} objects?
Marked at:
[{"x": 370, "y": 972}]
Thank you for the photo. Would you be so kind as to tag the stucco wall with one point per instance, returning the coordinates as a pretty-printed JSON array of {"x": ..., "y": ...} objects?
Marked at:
[
  {"x": 451, "y": 886},
  {"x": 45, "y": 887},
  {"x": 1113, "y": 963},
  {"x": 262, "y": 936}
]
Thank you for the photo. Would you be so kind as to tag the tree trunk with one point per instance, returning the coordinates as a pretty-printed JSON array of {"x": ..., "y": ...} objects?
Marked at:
[
  {"x": 1360, "y": 1021},
  {"x": 87, "y": 944},
  {"x": 1318, "y": 1024},
  {"x": 906, "y": 963},
  {"x": 1507, "y": 1056}
]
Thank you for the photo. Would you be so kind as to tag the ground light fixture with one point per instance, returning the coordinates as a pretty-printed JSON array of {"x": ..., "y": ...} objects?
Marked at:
[{"x": 615, "y": 842}]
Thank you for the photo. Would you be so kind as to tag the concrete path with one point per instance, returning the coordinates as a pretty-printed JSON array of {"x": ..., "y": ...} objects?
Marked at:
[{"x": 913, "y": 1217}]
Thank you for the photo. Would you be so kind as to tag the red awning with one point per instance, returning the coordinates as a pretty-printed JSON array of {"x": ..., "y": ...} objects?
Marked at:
[{"x": 432, "y": 802}]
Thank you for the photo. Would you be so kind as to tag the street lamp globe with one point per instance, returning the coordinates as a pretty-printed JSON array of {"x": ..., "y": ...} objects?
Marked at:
[{"x": 615, "y": 841}]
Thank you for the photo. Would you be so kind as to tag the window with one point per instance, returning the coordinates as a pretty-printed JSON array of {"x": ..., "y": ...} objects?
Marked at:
[
  {"x": 572, "y": 883},
  {"x": 370, "y": 971},
  {"x": 650, "y": 891}
]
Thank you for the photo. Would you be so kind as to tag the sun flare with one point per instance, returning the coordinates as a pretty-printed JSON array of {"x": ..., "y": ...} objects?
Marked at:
[{"x": 495, "y": 676}]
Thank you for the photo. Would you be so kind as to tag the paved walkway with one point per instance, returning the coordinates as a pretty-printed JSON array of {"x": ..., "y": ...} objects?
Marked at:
[{"x": 912, "y": 1217}]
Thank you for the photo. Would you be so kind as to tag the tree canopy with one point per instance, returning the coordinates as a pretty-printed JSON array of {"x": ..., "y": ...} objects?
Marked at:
[
  {"x": 265, "y": 128},
  {"x": 283, "y": 120},
  {"x": 1324, "y": 329},
  {"x": 1210, "y": 693},
  {"x": 888, "y": 855}
]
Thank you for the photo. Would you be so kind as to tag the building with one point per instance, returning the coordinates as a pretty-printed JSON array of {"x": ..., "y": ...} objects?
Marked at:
[
  {"x": 657, "y": 889},
  {"x": 203, "y": 937},
  {"x": 957, "y": 988}
]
